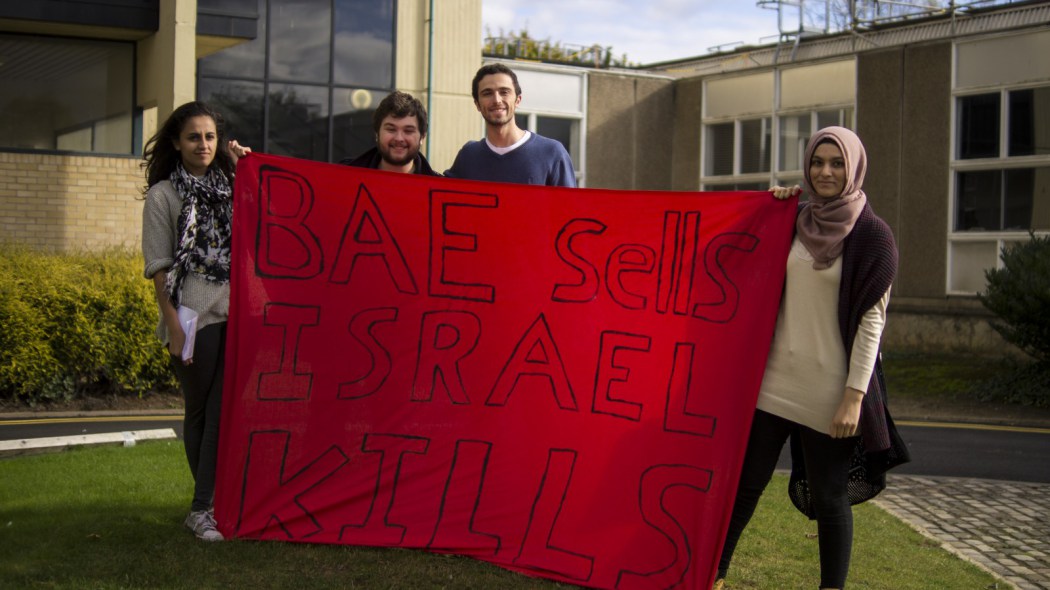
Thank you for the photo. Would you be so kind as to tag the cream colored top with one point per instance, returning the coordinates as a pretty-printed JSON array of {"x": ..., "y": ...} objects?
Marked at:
[
  {"x": 806, "y": 373},
  {"x": 160, "y": 216}
]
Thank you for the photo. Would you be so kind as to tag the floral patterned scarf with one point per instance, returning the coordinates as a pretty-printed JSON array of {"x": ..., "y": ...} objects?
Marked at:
[{"x": 204, "y": 229}]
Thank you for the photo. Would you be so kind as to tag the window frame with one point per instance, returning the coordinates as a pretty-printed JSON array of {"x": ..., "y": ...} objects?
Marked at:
[
  {"x": 1001, "y": 162},
  {"x": 775, "y": 175}
]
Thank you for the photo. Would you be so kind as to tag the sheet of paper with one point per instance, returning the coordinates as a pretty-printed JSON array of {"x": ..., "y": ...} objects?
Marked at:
[{"x": 188, "y": 321}]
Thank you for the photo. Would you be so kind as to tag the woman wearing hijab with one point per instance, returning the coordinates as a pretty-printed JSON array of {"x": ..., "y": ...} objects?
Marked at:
[
  {"x": 823, "y": 384},
  {"x": 186, "y": 230}
]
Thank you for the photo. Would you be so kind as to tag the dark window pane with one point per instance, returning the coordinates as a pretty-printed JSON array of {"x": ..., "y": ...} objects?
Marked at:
[
  {"x": 241, "y": 104},
  {"x": 230, "y": 6},
  {"x": 840, "y": 117},
  {"x": 66, "y": 94},
  {"x": 298, "y": 122},
  {"x": 756, "y": 138},
  {"x": 739, "y": 186},
  {"x": 300, "y": 39},
  {"x": 560, "y": 130},
  {"x": 718, "y": 150},
  {"x": 979, "y": 126},
  {"x": 794, "y": 133},
  {"x": 1029, "y": 122},
  {"x": 978, "y": 205},
  {"x": 245, "y": 60},
  {"x": 364, "y": 43},
  {"x": 1017, "y": 204},
  {"x": 521, "y": 120},
  {"x": 352, "y": 114}
]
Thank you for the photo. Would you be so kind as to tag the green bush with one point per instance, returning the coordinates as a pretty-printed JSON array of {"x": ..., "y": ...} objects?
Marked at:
[
  {"x": 1019, "y": 294},
  {"x": 76, "y": 324}
]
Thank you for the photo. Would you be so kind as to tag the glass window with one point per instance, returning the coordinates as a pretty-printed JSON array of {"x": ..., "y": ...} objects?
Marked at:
[
  {"x": 1022, "y": 193},
  {"x": 300, "y": 40},
  {"x": 364, "y": 43},
  {"x": 840, "y": 117},
  {"x": 756, "y": 137},
  {"x": 241, "y": 103},
  {"x": 281, "y": 104},
  {"x": 1003, "y": 200},
  {"x": 979, "y": 126},
  {"x": 978, "y": 202},
  {"x": 298, "y": 121},
  {"x": 794, "y": 133},
  {"x": 1029, "y": 118},
  {"x": 737, "y": 186},
  {"x": 352, "y": 132},
  {"x": 66, "y": 94},
  {"x": 245, "y": 60},
  {"x": 718, "y": 149},
  {"x": 563, "y": 130}
]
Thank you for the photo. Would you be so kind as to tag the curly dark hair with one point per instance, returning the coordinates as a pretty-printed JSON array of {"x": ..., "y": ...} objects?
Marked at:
[
  {"x": 488, "y": 70},
  {"x": 400, "y": 104},
  {"x": 160, "y": 156}
]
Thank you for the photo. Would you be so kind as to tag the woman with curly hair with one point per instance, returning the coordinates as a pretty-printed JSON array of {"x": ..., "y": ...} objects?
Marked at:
[{"x": 186, "y": 230}]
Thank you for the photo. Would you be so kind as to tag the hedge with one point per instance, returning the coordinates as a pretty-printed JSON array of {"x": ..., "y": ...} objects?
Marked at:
[{"x": 75, "y": 324}]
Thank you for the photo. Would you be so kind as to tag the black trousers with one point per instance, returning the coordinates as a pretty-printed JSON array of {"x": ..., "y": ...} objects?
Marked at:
[
  {"x": 827, "y": 470},
  {"x": 201, "y": 384}
]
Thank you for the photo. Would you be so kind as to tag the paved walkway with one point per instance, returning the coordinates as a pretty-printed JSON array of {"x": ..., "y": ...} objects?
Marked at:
[{"x": 1003, "y": 527}]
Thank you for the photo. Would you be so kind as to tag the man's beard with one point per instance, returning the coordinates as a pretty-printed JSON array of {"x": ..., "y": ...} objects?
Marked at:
[{"x": 410, "y": 156}]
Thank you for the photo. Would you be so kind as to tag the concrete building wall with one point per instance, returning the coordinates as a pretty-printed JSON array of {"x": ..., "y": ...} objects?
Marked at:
[
  {"x": 688, "y": 111},
  {"x": 57, "y": 202},
  {"x": 630, "y": 126},
  {"x": 903, "y": 116},
  {"x": 457, "y": 56}
]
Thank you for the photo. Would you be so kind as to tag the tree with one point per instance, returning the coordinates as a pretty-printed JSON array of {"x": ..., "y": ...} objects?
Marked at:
[
  {"x": 524, "y": 46},
  {"x": 1019, "y": 294}
]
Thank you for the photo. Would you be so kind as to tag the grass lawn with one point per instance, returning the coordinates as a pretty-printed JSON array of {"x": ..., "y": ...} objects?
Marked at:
[{"x": 111, "y": 517}]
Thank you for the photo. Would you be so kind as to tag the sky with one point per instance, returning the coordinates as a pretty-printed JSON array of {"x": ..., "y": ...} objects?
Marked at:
[{"x": 647, "y": 31}]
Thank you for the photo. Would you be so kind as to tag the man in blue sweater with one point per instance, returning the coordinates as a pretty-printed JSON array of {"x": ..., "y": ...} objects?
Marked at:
[{"x": 509, "y": 153}]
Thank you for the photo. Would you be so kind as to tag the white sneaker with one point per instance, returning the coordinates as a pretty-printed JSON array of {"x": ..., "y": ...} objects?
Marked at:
[{"x": 202, "y": 523}]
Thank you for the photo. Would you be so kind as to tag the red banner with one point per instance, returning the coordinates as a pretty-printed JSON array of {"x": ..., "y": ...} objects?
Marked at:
[{"x": 558, "y": 381}]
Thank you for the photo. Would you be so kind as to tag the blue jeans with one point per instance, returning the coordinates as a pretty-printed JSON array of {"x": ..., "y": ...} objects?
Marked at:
[{"x": 827, "y": 465}]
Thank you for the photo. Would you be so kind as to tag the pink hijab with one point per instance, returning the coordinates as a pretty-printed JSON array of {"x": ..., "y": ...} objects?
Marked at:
[{"x": 824, "y": 223}]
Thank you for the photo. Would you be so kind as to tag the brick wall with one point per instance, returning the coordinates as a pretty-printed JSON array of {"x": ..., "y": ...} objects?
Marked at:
[{"x": 59, "y": 202}]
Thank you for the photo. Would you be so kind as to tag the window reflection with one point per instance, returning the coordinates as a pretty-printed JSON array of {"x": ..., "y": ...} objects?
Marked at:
[
  {"x": 562, "y": 130},
  {"x": 352, "y": 133},
  {"x": 50, "y": 97},
  {"x": 979, "y": 126},
  {"x": 756, "y": 138},
  {"x": 364, "y": 43},
  {"x": 300, "y": 37},
  {"x": 794, "y": 133},
  {"x": 1030, "y": 122},
  {"x": 718, "y": 150},
  {"x": 978, "y": 207},
  {"x": 298, "y": 121},
  {"x": 301, "y": 74},
  {"x": 245, "y": 60},
  {"x": 241, "y": 103}
]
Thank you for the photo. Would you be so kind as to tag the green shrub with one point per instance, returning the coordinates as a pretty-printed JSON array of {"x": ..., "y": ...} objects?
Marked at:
[
  {"x": 1019, "y": 294},
  {"x": 75, "y": 324}
]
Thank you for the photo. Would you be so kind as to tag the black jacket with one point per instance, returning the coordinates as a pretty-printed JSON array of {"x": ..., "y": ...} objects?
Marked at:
[{"x": 372, "y": 158}]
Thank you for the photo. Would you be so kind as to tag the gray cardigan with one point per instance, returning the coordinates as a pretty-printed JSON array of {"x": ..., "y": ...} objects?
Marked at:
[{"x": 160, "y": 218}]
